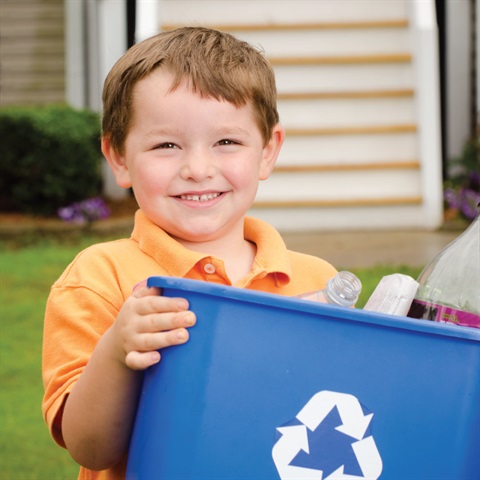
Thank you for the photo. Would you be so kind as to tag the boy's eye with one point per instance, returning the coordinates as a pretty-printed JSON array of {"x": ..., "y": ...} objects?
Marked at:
[
  {"x": 166, "y": 145},
  {"x": 227, "y": 141}
]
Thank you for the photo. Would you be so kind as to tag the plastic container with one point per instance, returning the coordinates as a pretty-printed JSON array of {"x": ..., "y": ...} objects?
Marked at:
[
  {"x": 343, "y": 289},
  {"x": 266, "y": 385},
  {"x": 393, "y": 295},
  {"x": 449, "y": 285}
]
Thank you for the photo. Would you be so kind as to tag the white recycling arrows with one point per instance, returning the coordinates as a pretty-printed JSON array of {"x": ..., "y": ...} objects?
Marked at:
[
  {"x": 354, "y": 424},
  {"x": 293, "y": 440},
  {"x": 368, "y": 457}
]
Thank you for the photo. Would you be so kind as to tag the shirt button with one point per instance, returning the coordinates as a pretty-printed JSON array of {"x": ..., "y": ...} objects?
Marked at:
[{"x": 209, "y": 268}]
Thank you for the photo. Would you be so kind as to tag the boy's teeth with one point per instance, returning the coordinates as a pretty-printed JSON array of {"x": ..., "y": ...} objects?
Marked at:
[{"x": 200, "y": 198}]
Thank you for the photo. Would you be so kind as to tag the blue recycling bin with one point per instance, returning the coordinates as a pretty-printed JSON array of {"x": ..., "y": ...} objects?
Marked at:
[{"x": 271, "y": 387}]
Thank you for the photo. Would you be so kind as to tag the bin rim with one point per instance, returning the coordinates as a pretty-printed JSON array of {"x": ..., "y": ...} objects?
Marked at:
[{"x": 308, "y": 306}]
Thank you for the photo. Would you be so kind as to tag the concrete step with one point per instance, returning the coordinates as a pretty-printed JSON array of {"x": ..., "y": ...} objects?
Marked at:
[{"x": 359, "y": 249}]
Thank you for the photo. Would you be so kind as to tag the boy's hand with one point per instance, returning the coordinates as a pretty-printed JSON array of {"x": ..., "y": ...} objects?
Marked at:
[{"x": 148, "y": 322}]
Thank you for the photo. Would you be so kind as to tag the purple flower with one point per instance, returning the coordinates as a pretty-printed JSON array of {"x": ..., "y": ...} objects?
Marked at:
[
  {"x": 469, "y": 201},
  {"x": 451, "y": 197},
  {"x": 86, "y": 211},
  {"x": 474, "y": 180}
]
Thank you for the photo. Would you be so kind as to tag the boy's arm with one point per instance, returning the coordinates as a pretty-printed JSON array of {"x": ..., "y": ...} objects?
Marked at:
[{"x": 100, "y": 410}]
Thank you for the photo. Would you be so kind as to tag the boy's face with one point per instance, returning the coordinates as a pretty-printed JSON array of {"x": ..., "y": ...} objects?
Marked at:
[{"x": 194, "y": 163}]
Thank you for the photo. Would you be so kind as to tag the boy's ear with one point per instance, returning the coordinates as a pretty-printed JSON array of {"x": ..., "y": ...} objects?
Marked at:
[
  {"x": 271, "y": 151},
  {"x": 117, "y": 163}
]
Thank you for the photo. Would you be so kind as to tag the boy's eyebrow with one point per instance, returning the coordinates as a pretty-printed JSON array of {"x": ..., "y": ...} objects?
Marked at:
[
  {"x": 161, "y": 131},
  {"x": 233, "y": 130}
]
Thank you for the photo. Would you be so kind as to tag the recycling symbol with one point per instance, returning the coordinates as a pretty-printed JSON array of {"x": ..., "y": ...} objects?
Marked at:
[{"x": 329, "y": 439}]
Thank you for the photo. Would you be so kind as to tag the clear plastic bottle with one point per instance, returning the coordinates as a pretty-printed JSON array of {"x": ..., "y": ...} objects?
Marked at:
[
  {"x": 449, "y": 290},
  {"x": 343, "y": 289}
]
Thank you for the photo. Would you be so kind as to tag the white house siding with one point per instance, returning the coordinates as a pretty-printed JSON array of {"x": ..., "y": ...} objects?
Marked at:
[{"x": 32, "y": 65}]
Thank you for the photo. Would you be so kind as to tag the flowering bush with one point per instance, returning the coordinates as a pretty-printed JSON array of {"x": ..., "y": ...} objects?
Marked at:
[
  {"x": 86, "y": 211},
  {"x": 462, "y": 190},
  {"x": 50, "y": 157}
]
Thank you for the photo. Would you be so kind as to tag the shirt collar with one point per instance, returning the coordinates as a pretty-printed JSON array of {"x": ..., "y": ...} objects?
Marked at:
[
  {"x": 271, "y": 258},
  {"x": 172, "y": 256},
  {"x": 272, "y": 255}
]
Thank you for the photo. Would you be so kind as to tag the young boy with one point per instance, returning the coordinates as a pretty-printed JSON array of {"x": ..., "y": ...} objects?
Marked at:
[{"x": 190, "y": 123}]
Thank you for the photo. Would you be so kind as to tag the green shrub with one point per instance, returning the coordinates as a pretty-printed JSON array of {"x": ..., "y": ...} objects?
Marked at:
[{"x": 50, "y": 157}]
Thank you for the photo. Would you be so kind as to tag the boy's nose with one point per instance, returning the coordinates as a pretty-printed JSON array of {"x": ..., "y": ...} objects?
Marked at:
[{"x": 198, "y": 166}]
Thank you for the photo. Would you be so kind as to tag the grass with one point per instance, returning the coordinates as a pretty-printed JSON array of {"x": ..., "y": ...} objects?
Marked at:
[
  {"x": 27, "y": 451},
  {"x": 26, "y": 274}
]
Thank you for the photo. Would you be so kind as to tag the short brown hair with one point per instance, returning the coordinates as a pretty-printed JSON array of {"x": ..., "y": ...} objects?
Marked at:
[{"x": 214, "y": 63}]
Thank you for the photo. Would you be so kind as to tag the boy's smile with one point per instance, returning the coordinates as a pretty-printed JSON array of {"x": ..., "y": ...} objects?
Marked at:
[
  {"x": 200, "y": 197},
  {"x": 194, "y": 162}
]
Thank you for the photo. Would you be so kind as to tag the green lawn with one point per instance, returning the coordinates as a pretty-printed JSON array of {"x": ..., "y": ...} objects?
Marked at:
[
  {"x": 27, "y": 451},
  {"x": 26, "y": 274}
]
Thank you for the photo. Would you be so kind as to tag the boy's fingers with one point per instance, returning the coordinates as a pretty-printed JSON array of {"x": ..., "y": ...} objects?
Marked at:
[
  {"x": 162, "y": 322},
  {"x": 153, "y": 301},
  {"x": 142, "y": 360},
  {"x": 138, "y": 360},
  {"x": 157, "y": 341},
  {"x": 141, "y": 290}
]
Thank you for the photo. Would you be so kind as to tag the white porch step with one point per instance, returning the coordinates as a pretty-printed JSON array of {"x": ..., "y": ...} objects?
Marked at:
[
  {"x": 341, "y": 187},
  {"x": 261, "y": 12},
  {"x": 348, "y": 149},
  {"x": 327, "y": 39},
  {"x": 343, "y": 77},
  {"x": 378, "y": 215},
  {"x": 342, "y": 112}
]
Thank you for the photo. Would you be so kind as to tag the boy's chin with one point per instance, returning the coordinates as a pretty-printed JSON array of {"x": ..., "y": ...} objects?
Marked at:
[{"x": 202, "y": 233}]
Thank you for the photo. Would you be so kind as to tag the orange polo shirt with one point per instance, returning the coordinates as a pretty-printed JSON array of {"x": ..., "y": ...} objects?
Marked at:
[{"x": 86, "y": 299}]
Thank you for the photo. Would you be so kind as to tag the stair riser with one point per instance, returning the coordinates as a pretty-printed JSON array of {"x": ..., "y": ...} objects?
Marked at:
[
  {"x": 343, "y": 77},
  {"x": 209, "y": 12},
  {"x": 342, "y": 186},
  {"x": 346, "y": 112},
  {"x": 346, "y": 218},
  {"x": 329, "y": 42},
  {"x": 348, "y": 148}
]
